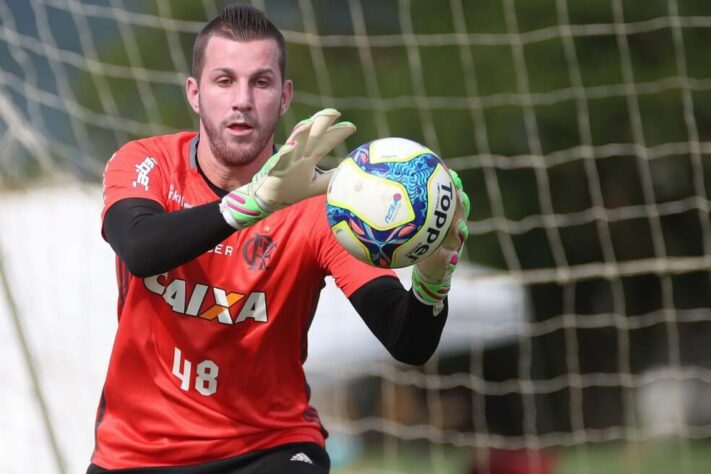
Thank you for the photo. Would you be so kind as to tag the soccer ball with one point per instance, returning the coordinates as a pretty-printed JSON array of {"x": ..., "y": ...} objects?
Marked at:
[{"x": 391, "y": 202}]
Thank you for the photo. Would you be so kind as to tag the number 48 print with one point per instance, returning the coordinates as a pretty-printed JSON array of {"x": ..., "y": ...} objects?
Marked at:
[{"x": 206, "y": 374}]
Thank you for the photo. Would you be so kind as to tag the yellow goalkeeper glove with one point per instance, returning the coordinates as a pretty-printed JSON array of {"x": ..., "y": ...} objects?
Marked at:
[
  {"x": 432, "y": 276},
  {"x": 290, "y": 175}
]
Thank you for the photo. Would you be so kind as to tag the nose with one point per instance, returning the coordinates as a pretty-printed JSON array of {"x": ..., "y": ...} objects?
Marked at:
[{"x": 242, "y": 98}]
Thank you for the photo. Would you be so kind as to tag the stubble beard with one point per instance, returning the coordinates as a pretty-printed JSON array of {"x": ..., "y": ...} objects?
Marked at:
[{"x": 234, "y": 151}]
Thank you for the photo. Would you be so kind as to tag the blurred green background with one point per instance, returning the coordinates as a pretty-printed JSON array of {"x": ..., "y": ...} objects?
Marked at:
[{"x": 581, "y": 130}]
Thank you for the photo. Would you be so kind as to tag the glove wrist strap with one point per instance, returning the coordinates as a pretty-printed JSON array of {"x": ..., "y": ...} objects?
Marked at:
[
  {"x": 430, "y": 293},
  {"x": 241, "y": 209}
]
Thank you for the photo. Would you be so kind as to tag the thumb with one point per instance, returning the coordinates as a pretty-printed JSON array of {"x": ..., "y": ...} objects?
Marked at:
[
  {"x": 455, "y": 235},
  {"x": 320, "y": 182}
]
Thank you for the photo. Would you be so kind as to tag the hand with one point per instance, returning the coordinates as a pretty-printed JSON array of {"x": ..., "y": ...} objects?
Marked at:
[
  {"x": 432, "y": 276},
  {"x": 290, "y": 175}
]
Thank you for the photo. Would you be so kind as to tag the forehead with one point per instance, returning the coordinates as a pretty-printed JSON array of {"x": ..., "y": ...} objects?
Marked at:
[{"x": 241, "y": 56}]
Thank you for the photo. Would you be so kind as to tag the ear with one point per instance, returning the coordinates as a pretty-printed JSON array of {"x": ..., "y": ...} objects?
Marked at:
[
  {"x": 287, "y": 92},
  {"x": 192, "y": 91}
]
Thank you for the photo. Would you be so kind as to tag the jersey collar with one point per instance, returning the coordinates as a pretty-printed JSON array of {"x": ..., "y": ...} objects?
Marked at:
[{"x": 193, "y": 151}]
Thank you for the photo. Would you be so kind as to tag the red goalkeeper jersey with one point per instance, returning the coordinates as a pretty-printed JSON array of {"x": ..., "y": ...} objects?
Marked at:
[{"x": 207, "y": 360}]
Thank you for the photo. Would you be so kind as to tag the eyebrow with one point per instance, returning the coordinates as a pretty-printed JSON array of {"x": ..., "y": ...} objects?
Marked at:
[{"x": 259, "y": 72}]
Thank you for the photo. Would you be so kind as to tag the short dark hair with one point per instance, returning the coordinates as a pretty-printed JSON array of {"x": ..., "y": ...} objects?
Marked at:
[{"x": 241, "y": 23}]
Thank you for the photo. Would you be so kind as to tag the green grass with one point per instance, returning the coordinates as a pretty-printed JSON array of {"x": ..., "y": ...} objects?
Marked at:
[{"x": 654, "y": 457}]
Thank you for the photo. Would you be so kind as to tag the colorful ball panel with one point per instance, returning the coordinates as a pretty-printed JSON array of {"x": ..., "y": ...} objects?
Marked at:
[{"x": 390, "y": 202}]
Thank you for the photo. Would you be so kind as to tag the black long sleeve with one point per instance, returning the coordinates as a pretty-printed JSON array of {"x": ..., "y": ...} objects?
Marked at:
[
  {"x": 404, "y": 325},
  {"x": 151, "y": 241}
]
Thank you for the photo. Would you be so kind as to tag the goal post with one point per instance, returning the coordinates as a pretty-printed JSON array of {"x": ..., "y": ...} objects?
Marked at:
[{"x": 579, "y": 328}]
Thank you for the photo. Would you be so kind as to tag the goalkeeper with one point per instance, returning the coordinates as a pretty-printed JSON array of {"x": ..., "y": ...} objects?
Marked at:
[{"x": 222, "y": 249}]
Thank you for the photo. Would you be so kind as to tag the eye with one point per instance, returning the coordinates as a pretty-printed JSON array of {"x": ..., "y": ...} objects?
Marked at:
[
  {"x": 223, "y": 81},
  {"x": 262, "y": 82}
]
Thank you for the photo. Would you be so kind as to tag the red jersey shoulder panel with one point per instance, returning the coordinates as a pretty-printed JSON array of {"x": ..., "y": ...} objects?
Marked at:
[{"x": 142, "y": 168}]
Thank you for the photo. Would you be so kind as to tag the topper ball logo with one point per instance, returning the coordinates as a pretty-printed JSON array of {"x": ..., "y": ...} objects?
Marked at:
[{"x": 390, "y": 202}]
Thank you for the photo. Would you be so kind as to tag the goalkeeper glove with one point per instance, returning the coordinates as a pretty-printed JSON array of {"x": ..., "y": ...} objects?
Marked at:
[
  {"x": 290, "y": 175},
  {"x": 432, "y": 276}
]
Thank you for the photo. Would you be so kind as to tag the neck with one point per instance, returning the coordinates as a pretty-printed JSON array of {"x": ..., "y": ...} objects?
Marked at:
[{"x": 225, "y": 175}]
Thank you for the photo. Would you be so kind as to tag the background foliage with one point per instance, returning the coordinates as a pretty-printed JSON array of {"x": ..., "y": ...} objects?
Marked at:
[{"x": 513, "y": 124}]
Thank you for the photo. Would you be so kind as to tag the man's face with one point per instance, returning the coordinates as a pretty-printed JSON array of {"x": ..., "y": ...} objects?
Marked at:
[{"x": 240, "y": 98}]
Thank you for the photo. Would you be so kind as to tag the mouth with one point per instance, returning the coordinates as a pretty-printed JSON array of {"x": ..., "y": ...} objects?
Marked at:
[{"x": 239, "y": 128}]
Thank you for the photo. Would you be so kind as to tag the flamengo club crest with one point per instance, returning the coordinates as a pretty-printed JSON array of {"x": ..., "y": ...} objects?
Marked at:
[{"x": 258, "y": 251}]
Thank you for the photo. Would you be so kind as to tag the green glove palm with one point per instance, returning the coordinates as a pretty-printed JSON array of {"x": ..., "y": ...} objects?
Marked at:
[
  {"x": 432, "y": 276},
  {"x": 290, "y": 175}
]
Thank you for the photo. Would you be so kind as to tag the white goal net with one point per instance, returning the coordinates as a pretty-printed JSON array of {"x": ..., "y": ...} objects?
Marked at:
[{"x": 579, "y": 338}]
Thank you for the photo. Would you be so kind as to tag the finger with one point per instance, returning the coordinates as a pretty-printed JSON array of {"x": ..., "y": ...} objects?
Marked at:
[
  {"x": 466, "y": 203},
  {"x": 281, "y": 160},
  {"x": 322, "y": 121},
  {"x": 462, "y": 234},
  {"x": 456, "y": 235},
  {"x": 463, "y": 230},
  {"x": 299, "y": 137},
  {"x": 274, "y": 159},
  {"x": 451, "y": 240},
  {"x": 299, "y": 128},
  {"x": 334, "y": 136},
  {"x": 463, "y": 196},
  {"x": 457, "y": 180}
]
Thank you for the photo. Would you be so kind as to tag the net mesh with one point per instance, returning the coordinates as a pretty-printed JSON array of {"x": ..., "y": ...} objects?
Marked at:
[{"x": 582, "y": 132}]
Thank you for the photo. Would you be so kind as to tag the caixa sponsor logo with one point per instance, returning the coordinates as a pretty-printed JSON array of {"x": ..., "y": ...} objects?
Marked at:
[
  {"x": 445, "y": 197},
  {"x": 190, "y": 299}
]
